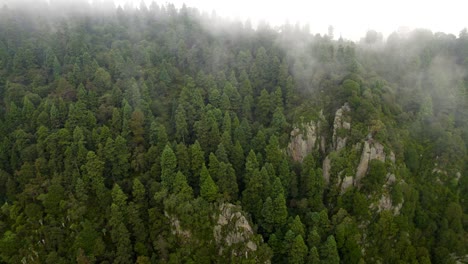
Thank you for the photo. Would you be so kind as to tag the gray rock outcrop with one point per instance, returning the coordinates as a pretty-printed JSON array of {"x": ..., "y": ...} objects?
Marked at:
[
  {"x": 233, "y": 228},
  {"x": 339, "y": 124},
  {"x": 386, "y": 204},
  {"x": 232, "y": 231},
  {"x": 372, "y": 150},
  {"x": 303, "y": 141},
  {"x": 346, "y": 183}
]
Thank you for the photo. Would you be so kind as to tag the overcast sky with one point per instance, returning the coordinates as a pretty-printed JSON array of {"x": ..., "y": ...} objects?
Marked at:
[{"x": 351, "y": 18}]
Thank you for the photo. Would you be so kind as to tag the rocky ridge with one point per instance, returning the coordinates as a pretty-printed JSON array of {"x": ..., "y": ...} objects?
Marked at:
[
  {"x": 306, "y": 140},
  {"x": 232, "y": 231}
]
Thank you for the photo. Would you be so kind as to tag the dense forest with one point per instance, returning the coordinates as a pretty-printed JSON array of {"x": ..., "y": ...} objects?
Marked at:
[{"x": 165, "y": 135}]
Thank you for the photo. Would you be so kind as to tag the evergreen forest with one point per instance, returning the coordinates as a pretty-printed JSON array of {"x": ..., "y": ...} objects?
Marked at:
[{"x": 159, "y": 134}]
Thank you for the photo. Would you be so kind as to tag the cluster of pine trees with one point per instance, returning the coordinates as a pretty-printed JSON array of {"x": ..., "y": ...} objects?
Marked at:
[{"x": 119, "y": 128}]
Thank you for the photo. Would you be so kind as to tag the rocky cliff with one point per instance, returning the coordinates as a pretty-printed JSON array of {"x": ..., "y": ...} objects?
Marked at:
[
  {"x": 372, "y": 150},
  {"x": 341, "y": 127},
  {"x": 232, "y": 232},
  {"x": 232, "y": 228},
  {"x": 305, "y": 138}
]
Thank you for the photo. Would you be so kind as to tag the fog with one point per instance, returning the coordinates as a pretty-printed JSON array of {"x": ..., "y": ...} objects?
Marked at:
[
  {"x": 350, "y": 19},
  {"x": 391, "y": 42}
]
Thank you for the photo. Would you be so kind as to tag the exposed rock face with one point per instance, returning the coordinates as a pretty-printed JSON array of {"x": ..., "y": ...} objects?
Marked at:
[
  {"x": 377, "y": 151},
  {"x": 392, "y": 157},
  {"x": 177, "y": 229},
  {"x": 385, "y": 203},
  {"x": 303, "y": 141},
  {"x": 232, "y": 232},
  {"x": 458, "y": 176},
  {"x": 233, "y": 228},
  {"x": 363, "y": 164},
  {"x": 391, "y": 179},
  {"x": 371, "y": 150},
  {"x": 339, "y": 140},
  {"x": 340, "y": 123},
  {"x": 346, "y": 183}
]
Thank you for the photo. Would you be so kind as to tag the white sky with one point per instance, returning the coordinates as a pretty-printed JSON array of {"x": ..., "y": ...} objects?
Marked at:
[{"x": 351, "y": 18}]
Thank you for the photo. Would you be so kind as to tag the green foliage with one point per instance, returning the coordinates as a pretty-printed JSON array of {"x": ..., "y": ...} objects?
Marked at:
[
  {"x": 208, "y": 188},
  {"x": 181, "y": 124},
  {"x": 329, "y": 252},
  {"x": 376, "y": 175},
  {"x": 107, "y": 122},
  {"x": 227, "y": 182},
  {"x": 264, "y": 106},
  {"x": 298, "y": 252},
  {"x": 168, "y": 167}
]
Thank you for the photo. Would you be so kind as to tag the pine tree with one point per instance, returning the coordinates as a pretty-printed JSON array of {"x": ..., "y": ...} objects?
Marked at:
[
  {"x": 247, "y": 105},
  {"x": 298, "y": 252},
  {"x": 297, "y": 227},
  {"x": 181, "y": 188},
  {"x": 227, "y": 181},
  {"x": 208, "y": 188},
  {"x": 120, "y": 164},
  {"x": 183, "y": 162},
  {"x": 281, "y": 211},
  {"x": 273, "y": 152},
  {"x": 313, "y": 256},
  {"x": 259, "y": 141},
  {"x": 264, "y": 107},
  {"x": 93, "y": 177},
  {"x": 214, "y": 167},
  {"x": 181, "y": 126},
  {"x": 278, "y": 121},
  {"x": 267, "y": 220},
  {"x": 136, "y": 124},
  {"x": 252, "y": 195},
  {"x": 197, "y": 159},
  {"x": 221, "y": 154},
  {"x": 116, "y": 122},
  {"x": 237, "y": 158},
  {"x": 251, "y": 165},
  {"x": 119, "y": 232},
  {"x": 168, "y": 167},
  {"x": 328, "y": 252}
]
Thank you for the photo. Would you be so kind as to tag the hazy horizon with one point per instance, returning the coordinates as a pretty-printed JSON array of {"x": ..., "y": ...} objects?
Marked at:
[{"x": 351, "y": 20}]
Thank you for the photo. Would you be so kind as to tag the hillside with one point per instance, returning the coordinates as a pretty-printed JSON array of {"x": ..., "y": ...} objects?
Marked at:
[{"x": 164, "y": 135}]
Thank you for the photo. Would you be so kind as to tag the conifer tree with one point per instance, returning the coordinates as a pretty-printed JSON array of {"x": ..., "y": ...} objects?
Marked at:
[
  {"x": 168, "y": 167},
  {"x": 298, "y": 252},
  {"x": 208, "y": 188}
]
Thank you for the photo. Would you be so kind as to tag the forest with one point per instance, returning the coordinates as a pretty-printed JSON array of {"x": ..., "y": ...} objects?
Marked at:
[{"x": 159, "y": 134}]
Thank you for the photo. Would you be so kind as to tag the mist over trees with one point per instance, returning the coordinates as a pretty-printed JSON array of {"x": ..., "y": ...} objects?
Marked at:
[{"x": 163, "y": 135}]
